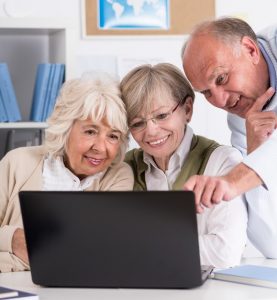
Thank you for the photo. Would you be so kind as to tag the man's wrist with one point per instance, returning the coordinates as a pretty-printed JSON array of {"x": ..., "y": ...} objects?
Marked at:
[{"x": 242, "y": 179}]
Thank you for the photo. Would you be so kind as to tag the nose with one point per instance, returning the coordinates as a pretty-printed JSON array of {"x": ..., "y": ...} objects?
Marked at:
[
  {"x": 151, "y": 127},
  {"x": 99, "y": 144},
  {"x": 218, "y": 97}
]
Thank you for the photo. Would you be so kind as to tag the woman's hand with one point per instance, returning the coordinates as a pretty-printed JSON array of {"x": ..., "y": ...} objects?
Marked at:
[{"x": 19, "y": 247}]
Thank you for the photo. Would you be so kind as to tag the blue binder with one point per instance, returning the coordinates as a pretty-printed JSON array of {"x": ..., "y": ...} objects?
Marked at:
[
  {"x": 8, "y": 94},
  {"x": 48, "y": 91},
  {"x": 3, "y": 113},
  {"x": 58, "y": 78},
  {"x": 40, "y": 92}
]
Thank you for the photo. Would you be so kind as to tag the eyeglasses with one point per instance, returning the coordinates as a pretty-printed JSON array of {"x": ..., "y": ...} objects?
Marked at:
[{"x": 160, "y": 118}]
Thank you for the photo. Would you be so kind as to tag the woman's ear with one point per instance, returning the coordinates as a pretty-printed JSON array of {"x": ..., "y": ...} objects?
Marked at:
[{"x": 188, "y": 108}]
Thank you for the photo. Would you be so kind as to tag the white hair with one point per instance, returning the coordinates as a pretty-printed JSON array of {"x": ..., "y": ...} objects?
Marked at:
[{"x": 94, "y": 96}]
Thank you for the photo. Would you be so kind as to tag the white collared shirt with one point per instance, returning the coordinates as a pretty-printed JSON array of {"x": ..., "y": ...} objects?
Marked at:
[
  {"x": 158, "y": 180},
  {"x": 57, "y": 177}
]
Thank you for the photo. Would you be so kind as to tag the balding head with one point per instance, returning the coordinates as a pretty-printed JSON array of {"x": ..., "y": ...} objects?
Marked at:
[{"x": 227, "y": 30}]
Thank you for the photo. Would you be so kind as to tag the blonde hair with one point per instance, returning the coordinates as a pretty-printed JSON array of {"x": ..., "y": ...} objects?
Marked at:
[
  {"x": 92, "y": 97},
  {"x": 142, "y": 84}
]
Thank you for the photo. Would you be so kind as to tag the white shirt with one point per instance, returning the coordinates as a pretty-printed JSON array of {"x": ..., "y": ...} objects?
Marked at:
[
  {"x": 158, "y": 180},
  {"x": 261, "y": 202},
  {"x": 56, "y": 177},
  {"x": 221, "y": 229}
]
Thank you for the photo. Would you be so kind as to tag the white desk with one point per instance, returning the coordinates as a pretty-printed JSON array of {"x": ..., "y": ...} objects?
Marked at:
[{"x": 210, "y": 290}]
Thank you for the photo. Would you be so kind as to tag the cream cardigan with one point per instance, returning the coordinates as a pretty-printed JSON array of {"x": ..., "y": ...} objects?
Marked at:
[{"x": 21, "y": 169}]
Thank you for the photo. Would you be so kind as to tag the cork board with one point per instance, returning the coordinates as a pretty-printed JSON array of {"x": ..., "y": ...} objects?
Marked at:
[{"x": 184, "y": 14}]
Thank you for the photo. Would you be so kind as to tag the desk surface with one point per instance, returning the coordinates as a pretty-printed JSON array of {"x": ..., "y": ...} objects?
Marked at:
[{"x": 211, "y": 289}]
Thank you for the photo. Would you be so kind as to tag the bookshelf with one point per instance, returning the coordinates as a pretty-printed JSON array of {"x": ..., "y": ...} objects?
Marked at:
[{"x": 26, "y": 42}]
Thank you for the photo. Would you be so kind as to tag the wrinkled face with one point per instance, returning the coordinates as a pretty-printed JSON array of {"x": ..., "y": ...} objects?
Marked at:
[
  {"x": 228, "y": 79},
  {"x": 165, "y": 127},
  {"x": 91, "y": 147}
]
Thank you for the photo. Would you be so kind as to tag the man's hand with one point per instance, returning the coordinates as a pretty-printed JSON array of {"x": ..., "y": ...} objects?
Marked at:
[
  {"x": 19, "y": 247},
  {"x": 210, "y": 190},
  {"x": 259, "y": 124}
]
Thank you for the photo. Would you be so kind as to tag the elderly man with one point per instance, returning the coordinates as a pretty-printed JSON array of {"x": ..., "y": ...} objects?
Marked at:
[{"x": 236, "y": 70}]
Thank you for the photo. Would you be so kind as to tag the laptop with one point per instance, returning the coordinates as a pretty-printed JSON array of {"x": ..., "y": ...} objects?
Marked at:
[{"x": 112, "y": 239}]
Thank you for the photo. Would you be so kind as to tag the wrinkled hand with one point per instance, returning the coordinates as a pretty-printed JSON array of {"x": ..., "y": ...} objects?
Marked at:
[
  {"x": 259, "y": 124},
  {"x": 19, "y": 247},
  {"x": 210, "y": 190}
]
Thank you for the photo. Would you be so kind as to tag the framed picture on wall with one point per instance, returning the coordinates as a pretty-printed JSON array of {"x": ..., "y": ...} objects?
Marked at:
[
  {"x": 133, "y": 14},
  {"x": 143, "y": 17}
]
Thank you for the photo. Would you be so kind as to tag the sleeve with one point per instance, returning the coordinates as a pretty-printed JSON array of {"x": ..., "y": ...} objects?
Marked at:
[
  {"x": 6, "y": 232},
  {"x": 261, "y": 201},
  {"x": 222, "y": 229},
  {"x": 222, "y": 241},
  {"x": 122, "y": 179},
  {"x": 11, "y": 263},
  {"x": 8, "y": 261},
  {"x": 263, "y": 160}
]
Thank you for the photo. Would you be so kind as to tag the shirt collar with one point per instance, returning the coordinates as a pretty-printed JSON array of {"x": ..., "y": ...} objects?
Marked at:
[
  {"x": 178, "y": 157},
  {"x": 271, "y": 69},
  {"x": 55, "y": 167}
]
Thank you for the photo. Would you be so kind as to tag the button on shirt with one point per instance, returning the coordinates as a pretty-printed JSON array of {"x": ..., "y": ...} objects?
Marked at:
[
  {"x": 158, "y": 180},
  {"x": 57, "y": 177}
]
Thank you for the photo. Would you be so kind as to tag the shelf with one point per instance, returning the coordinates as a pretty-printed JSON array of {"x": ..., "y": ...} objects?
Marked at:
[
  {"x": 27, "y": 42},
  {"x": 23, "y": 125}
]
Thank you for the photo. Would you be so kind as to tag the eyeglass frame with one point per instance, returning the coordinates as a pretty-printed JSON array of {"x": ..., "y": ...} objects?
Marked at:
[{"x": 154, "y": 119}]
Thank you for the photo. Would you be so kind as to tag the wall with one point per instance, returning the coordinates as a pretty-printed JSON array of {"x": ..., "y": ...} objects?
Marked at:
[{"x": 118, "y": 54}]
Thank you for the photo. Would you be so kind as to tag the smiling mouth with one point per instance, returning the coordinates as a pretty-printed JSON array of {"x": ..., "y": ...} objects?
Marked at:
[
  {"x": 94, "y": 161},
  {"x": 158, "y": 142},
  {"x": 234, "y": 105}
]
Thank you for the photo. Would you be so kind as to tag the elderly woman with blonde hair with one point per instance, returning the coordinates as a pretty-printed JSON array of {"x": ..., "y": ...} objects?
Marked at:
[
  {"x": 85, "y": 143},
  {"x": 159, "y": 102}
]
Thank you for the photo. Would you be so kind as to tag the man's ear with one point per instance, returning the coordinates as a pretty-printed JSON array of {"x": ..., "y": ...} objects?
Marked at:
[{"x": 251, "y": 49}]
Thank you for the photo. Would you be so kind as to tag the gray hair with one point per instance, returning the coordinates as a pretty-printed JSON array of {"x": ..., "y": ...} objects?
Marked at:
[
  {"x": 92, "y": 97},
  {"x": 228, "y": 30},
  {"x": 142, "y": 84}
]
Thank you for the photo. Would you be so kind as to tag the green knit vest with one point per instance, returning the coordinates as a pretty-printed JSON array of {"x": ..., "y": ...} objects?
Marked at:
[{"x": 195, "y": 164}]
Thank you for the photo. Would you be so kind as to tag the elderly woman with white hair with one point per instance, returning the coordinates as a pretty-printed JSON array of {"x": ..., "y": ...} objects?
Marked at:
[{"x": 84, "y": 146}]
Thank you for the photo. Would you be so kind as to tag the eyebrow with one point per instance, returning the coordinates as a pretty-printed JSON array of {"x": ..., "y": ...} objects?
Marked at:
[
  {"x": 116, "y": 131},
  {"x": 98, "y": 127},
  {"x": 203, "y": 91},
  {"x": 90, "y": 126},
  {"x": 152, "y": 112},
  {"x": 215, "y": 72},
  {"x": 213, "y": 75}
]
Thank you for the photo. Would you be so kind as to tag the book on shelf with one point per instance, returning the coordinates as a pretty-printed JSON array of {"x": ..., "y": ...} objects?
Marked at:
[
  {"x": 48, "y": 81},
  {"x": 249, "y": 274},
  {"x": 58, "y": 79},
  {"x": 6, "y": 293},
  {"x": 40, "y": 90},
  {"x": 3, "y": 113},
  {"x": 8, "y": 94},
  {"x": 48, "y": 91}
]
